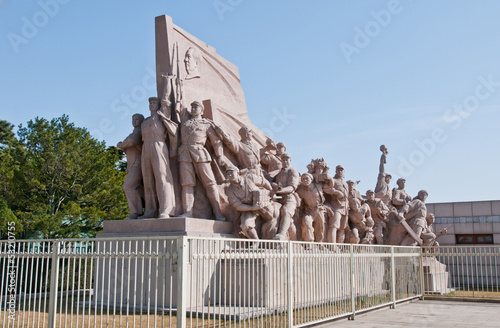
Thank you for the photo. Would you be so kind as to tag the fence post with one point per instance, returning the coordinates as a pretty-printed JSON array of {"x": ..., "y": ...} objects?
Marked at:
[
  {"x": 422, "y": 282},
  {"x": 182, "y": 290},
  {"x": 54, "y": 280},
  {"x": 393, "y": 279},
  {"x": 351, "y": 277},
  {"x": 290, "y": 285}
]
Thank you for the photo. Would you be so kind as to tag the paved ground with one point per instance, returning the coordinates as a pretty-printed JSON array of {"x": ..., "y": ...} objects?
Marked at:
[{"x": 427, "y": 313}]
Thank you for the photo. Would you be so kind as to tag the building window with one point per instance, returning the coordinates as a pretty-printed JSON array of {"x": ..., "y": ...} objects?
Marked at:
[{"x": 475, "y": 239}]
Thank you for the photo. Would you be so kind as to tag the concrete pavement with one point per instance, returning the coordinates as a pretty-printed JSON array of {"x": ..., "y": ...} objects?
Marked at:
[{"x": 427, "y": 313}]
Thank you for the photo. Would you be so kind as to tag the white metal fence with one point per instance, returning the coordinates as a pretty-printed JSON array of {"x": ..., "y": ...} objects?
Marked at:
[
  {"x": 462, "y": 271},
  {"x": 200, "y": 282}
]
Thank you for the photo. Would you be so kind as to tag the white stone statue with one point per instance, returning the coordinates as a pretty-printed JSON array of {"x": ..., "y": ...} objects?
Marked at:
[
  {"x": 249, "y": 195},
  {"x": 379, "y": 213},
  {"x": 246, "y": 152},
  {"x": 270, "y": 158},
  {"x": 194, "y": 160},
  {"x": 416, "y": 214},
  {"x": 132, "y": 186},
  {"x": 382, "y": 189},
  {"x": 361, "y": 222},
  {"x": 285, "y": 185},
  {"x": 313, "y": 212},
  {"x": 155, "y": 161},
  {"x": 338, "y": 190}
]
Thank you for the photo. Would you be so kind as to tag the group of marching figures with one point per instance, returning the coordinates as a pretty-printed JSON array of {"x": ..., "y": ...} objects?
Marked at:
[{"x": 257, "y": 188}]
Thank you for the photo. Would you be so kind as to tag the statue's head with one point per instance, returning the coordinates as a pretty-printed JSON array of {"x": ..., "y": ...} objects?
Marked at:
[
  {"x": 270, "y": 142},
  {"x": 286, "y": 160},
  {"x": 306, "y": 179},
  {"x": 320, "y": 166},
  {"x": 137, "y": 120},
  {"x": 401, "y": 183},
  {"x": 245, "y": 133},
  {"x": 154, "y": 104},
  {"x": 422, "y": 195},
  {"x": 430, "y": 218},
  {"x": 383, "y": 149},
  {"x": 370, "y": 194},
  {"x": 280, "y": 148},
  {"x": 387, "y": 178},
  {"x": 190, "y": 60},
  {"x": 339, "y": 171},
  {"x": 196, "y": 108},
  {"x": 233, "y": 173}
]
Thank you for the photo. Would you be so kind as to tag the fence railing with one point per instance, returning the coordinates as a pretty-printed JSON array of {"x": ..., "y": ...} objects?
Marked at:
[
  {"x": 193, "y": 282},
  {"x": 462, "y": 271}
]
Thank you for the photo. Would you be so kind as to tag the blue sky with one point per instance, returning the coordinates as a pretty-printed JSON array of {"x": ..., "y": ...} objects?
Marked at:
[{"x": 341, "y": 77}]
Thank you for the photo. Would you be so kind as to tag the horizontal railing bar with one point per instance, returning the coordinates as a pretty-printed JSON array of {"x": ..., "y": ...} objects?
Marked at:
[
  {"x": 86, "y": 240},
  {"x": 464, "y": 254}
]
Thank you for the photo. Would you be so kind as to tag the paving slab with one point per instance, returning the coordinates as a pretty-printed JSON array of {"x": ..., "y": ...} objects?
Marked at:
[{"x": 427, "y": 313}]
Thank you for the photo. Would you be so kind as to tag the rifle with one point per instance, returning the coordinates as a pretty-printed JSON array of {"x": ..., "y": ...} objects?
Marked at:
[{"x": 179, "y": 83}]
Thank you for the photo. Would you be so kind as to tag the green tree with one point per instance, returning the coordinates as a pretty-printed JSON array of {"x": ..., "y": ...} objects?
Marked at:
[
  {"x": 66, "y": 183},
  {"x": 8, "y": 164},
  {"x": 8, "y": 142}
]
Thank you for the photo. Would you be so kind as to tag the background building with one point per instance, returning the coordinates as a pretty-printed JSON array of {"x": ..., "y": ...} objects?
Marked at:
[{"x": 472, "y": 223}]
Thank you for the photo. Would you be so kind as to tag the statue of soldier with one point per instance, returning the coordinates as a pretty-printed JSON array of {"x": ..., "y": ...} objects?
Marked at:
[
  {"x": 379, "y": 213},
  {"x": 312, "y": 209},
  {"x": 429, "y": 237},
  {"x": 395, "y": 231},
  {"x": 360, "y": 218},
  {"x": 270, "y": 158},
  {"x": 285, "y": 185},
  {"x": 249, "y": 195},
  {"x": 338, "y": 190},
  {"x": 416, "y": 216},
  {"x": 194, "y": 160},
  {"x": 155, "y": 161},
  {"x": 132, "y": 186},
  {"x": 246, "y": 152},
  {"x": 399, "y": 196}
]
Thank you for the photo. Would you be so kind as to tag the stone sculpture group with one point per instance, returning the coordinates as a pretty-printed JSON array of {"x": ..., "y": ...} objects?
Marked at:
[
  {"x": 263, "y": 194},
  {"x": 181, "y": 164}
]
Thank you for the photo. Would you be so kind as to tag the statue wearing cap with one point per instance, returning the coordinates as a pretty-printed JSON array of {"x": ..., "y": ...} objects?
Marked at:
[
  {"x": 285, "y": 185},
  {"x": 157, "y": 176},
  {"x": 270, "y": 157},
  {"x": 313, "y": 212},
  {"x": 249, "y": 196},
  {"x": 338, "y": 192},
  {"x": 399, "y": 195},
  {"x": 194, "y": 160},
  {"x": 360, "y": 220},
  {"x": 416, "y": 217},
  {"x": 379, "y": 212},
  {"x": 246, "y": 152}
]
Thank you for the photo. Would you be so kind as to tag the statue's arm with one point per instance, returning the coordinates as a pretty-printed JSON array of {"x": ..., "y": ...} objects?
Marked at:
[
  {"x": 133, "y": 139},
  {"x": 239, "y": 205},
  {"x": 215, "y": 140}
]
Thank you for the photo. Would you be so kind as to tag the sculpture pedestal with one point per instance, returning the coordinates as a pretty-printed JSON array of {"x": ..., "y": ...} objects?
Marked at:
[
  {"x": 140, "y": 274},
  {"x": 176, "y": 226},
  {"x": 435, "y": 276}
]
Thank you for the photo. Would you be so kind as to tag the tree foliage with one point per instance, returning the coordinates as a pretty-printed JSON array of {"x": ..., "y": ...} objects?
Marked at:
[{"x": 62, "y": 182}]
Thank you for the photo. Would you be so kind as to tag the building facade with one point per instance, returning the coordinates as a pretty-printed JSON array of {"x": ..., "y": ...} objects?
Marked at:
[{"x": 470, "y": 223}]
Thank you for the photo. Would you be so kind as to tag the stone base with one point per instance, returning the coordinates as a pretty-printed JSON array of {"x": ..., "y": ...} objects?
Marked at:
[
  {"x": 133, "y": 280},
  {"x": 176, "y": 226},
  {"x": 436, "y": 277}
]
